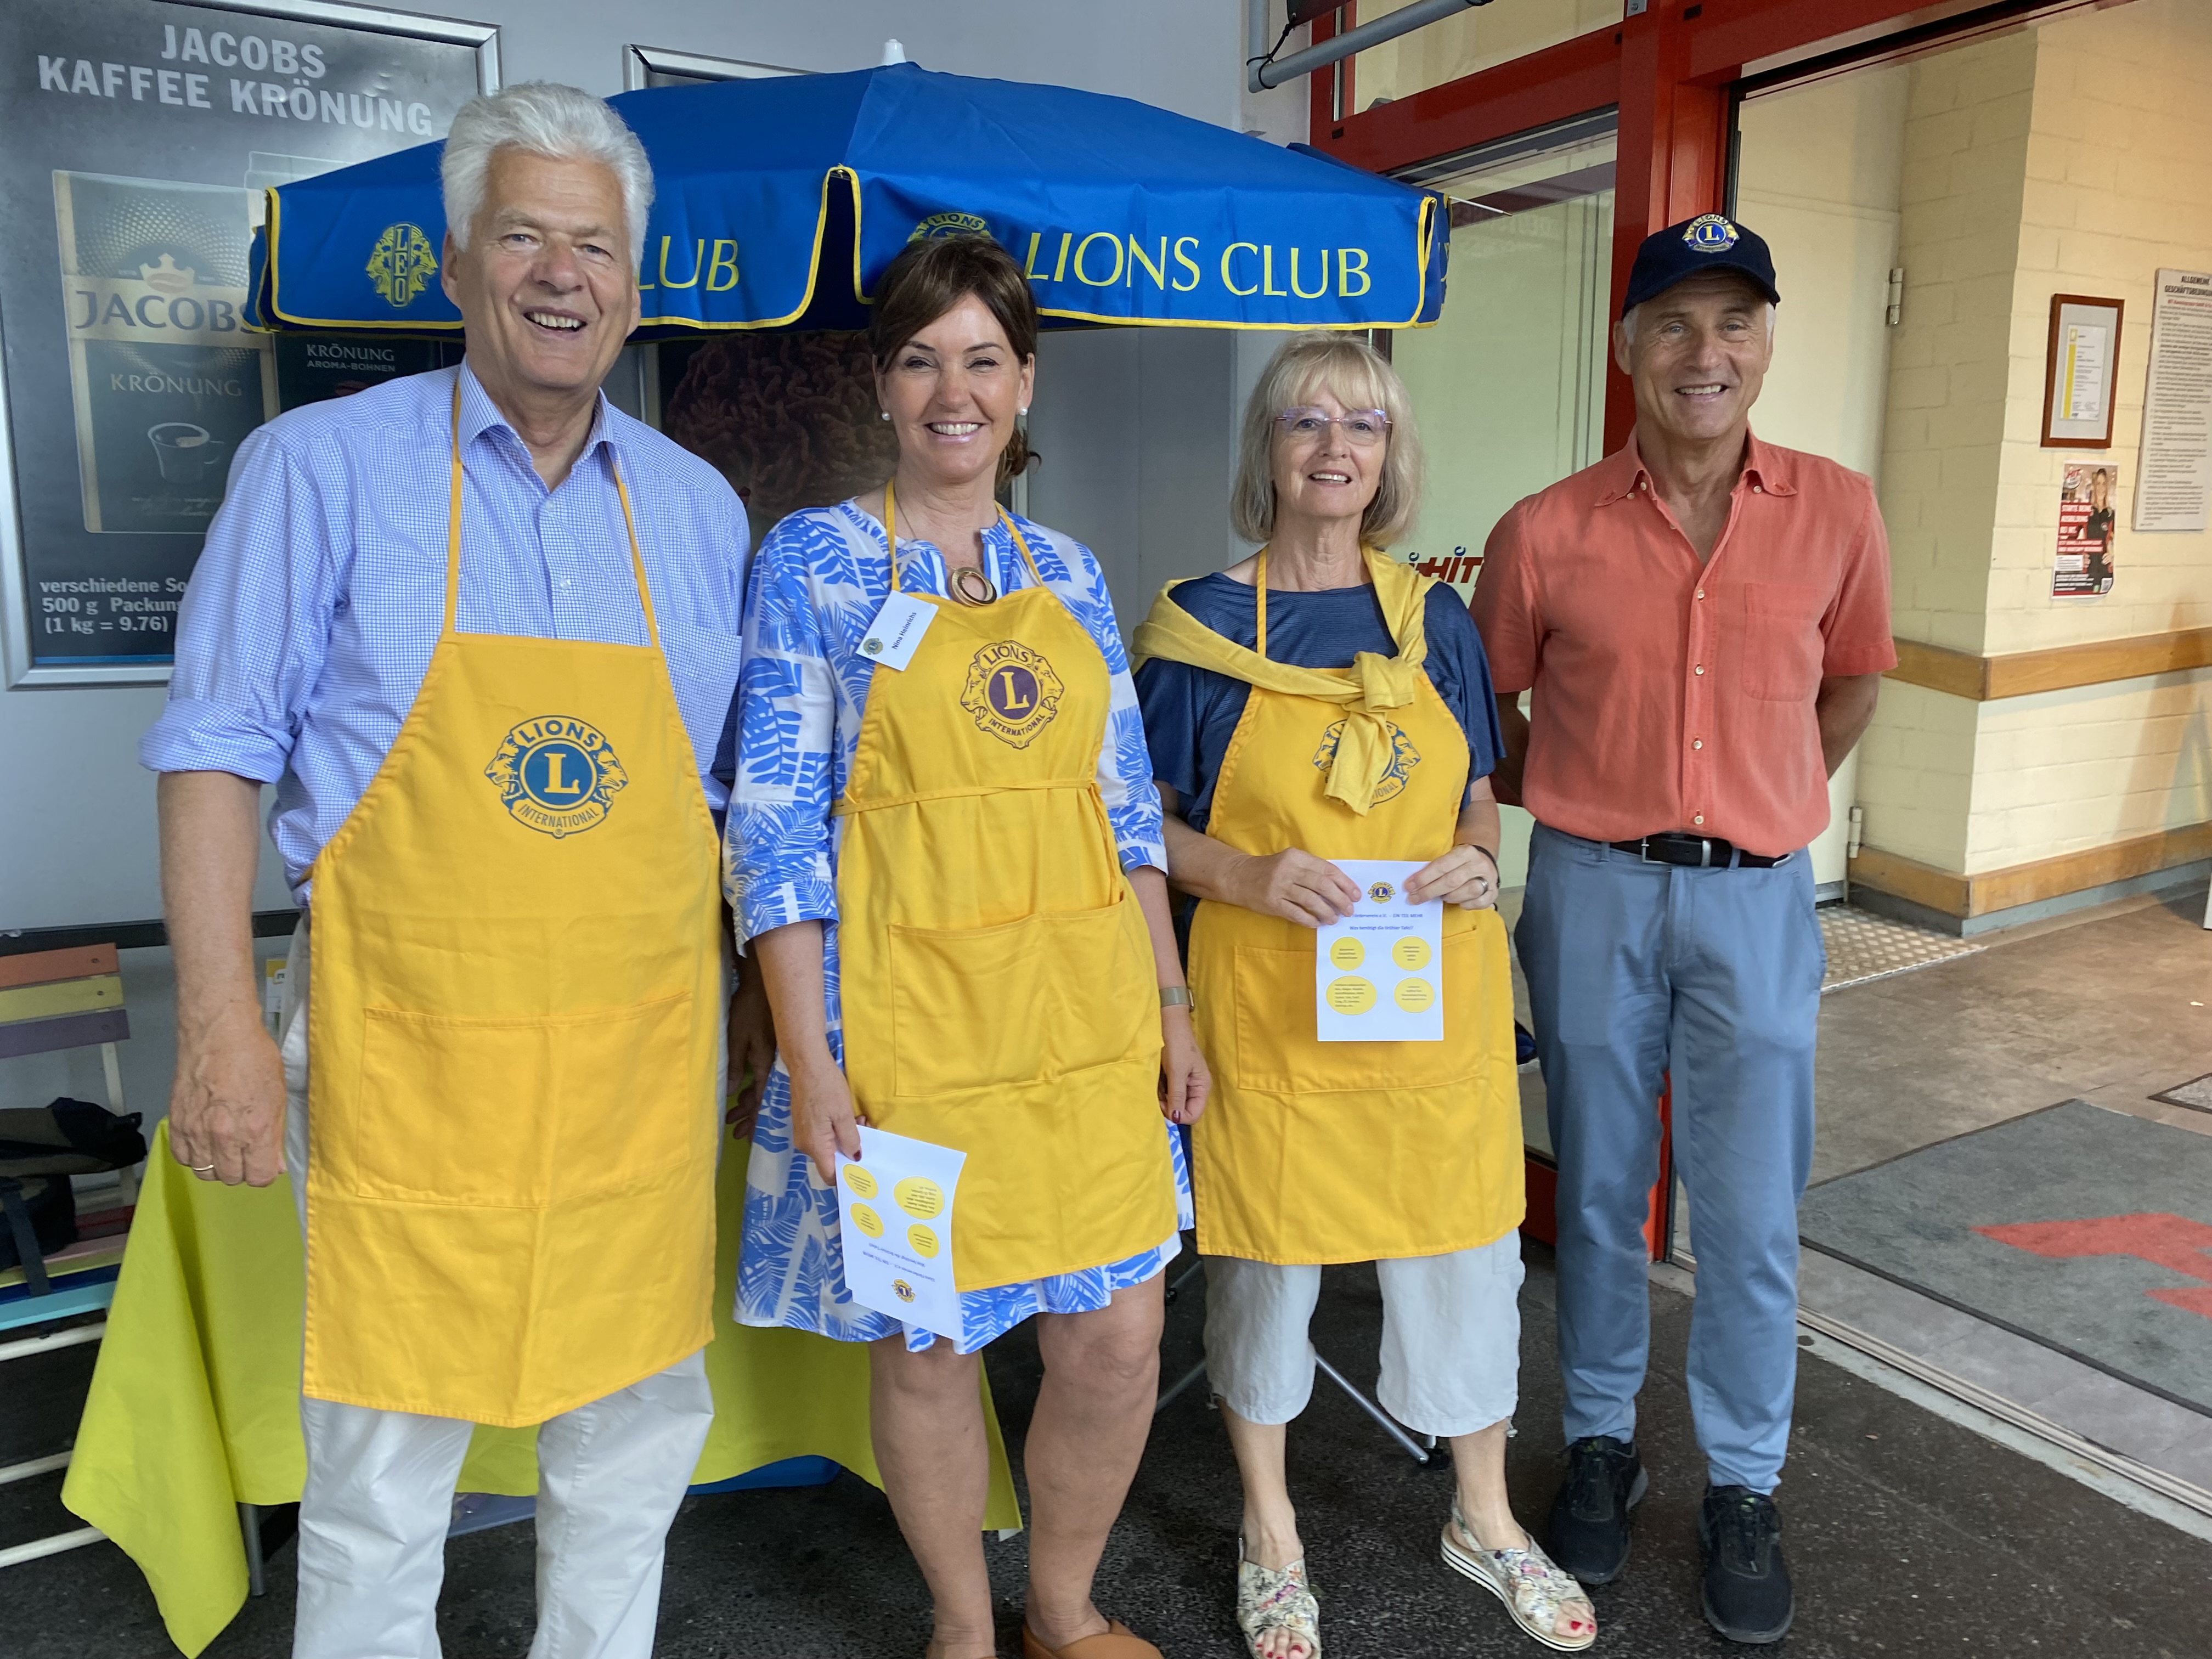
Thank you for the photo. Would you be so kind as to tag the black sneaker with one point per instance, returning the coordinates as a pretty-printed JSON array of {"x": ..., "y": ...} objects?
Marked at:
[
  {"x": 1588, "y": 1533},
  {"x": 1748, "y": 1594}
]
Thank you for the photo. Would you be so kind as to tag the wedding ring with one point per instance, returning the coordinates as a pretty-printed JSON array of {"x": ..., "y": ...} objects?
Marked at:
[{"x": 202, "y": 1169}]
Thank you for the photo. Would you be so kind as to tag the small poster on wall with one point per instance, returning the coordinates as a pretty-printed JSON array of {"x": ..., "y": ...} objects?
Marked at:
[{"x": 2082, "y": 567}]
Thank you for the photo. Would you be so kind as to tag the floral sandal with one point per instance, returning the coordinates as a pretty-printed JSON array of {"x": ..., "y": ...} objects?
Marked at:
[
  {"x": 1269, "y": 1599},
  {"x": 1533, "y": 1590}
]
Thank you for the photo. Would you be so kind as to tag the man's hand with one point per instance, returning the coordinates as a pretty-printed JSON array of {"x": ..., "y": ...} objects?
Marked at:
[
  {"x": 751, "y": 1033},
  {"x": 227, "y": 1105},
  {"x": 1294, "y": 886}
]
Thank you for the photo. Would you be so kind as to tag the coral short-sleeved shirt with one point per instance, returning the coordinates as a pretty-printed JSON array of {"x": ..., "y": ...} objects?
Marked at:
[{"x": 1676, "y": 695}]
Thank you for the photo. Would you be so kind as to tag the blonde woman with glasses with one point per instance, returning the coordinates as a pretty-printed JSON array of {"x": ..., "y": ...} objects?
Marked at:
[{"x": 1320, "y": 701}]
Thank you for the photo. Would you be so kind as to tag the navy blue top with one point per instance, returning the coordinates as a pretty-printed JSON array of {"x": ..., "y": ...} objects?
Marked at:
[{"x": 1191, "y": 714}]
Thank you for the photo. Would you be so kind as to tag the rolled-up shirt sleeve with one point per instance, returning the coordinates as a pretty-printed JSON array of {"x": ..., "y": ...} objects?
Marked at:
[
  {"x": 1508, "y": 613},
  {"x": 254, "y": 627},
  {"x": 777, "y": 867}
]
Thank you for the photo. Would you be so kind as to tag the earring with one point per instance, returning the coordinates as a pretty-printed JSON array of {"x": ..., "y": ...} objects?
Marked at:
[
  {"x": 883, "y": 414},
  {"x": 1023, "y": 413}
]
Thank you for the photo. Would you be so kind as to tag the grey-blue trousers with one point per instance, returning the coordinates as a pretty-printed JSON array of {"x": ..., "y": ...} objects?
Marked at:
[{"x": 1638, "y": 969}]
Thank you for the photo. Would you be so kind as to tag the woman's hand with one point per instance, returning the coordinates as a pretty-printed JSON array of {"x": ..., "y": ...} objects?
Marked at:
[
  {"x": 1466, "y": 876},
  {"x": 1294, "y": 886},
  {"x": 1184, "y": 1080},
  {"x": 822, "y": 1120}
]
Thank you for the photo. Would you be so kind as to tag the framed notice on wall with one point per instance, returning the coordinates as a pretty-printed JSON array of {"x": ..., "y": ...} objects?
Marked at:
[
  {"x": 141, "y": 134},
  {"x": 2173, "y": 471},
  {"x": 2081, "y": 368}
]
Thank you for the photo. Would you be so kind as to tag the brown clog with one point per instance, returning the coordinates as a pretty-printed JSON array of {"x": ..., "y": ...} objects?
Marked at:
[{"x": 1116, "y": 1641}]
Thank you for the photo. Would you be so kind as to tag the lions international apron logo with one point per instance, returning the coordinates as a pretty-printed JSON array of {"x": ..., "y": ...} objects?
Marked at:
[
  {"x": 950, "y": 224},
  {"x": 1012, "y": 691},
  {"x": 556, "y": 775},
  {"x": 400, "y": 263},
  {"x": 1709, "y": 233},
  {"x": 1404, "y": 757}
]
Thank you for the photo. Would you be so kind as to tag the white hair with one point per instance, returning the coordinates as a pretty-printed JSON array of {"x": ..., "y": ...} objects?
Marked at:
[{"x": 542, "y": 118}]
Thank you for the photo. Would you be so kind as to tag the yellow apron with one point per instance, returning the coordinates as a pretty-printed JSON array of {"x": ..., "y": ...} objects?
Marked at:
[
  {"x": 1000, "y": 992},
  {"x": 513, "y": 1020},
  {"x": 1314, "y": 1151}
]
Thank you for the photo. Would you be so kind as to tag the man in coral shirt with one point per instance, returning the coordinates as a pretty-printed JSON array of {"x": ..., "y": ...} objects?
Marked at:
[{"x": 1703, "y": 619}]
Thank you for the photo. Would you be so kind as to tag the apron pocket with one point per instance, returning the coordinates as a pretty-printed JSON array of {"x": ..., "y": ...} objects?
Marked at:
[
  {"x": 1278, "y": 1052},
  {"x": 1020, "y": 1003},
  {"x": 521, "y": 1113}
]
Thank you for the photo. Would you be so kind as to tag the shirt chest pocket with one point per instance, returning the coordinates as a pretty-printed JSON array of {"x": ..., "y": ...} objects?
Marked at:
[{"x": 1782, "y": 647}]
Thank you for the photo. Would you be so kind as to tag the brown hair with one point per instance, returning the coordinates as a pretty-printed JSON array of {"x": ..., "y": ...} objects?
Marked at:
[{"x": 932, "y": 276}]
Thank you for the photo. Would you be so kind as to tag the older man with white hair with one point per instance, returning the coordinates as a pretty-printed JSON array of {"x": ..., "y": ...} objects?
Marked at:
[
  {"x": 1704, "y": 618},
  {"x": 481, "y": 631}
]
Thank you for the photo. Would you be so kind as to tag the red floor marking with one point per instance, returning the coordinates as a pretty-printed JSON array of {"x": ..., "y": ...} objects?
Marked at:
[{"x": 2172, "y": 1242}]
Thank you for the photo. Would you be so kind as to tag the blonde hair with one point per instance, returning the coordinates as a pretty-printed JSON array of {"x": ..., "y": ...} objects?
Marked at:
[{"x": 1358, "y": 376}]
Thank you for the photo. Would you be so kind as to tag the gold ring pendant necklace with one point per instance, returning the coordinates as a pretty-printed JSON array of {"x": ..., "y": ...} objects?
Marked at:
[{"x": 967, "y": 583}]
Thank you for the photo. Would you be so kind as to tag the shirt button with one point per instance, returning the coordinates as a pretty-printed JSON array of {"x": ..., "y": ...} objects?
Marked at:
[
  {"x": 1758, "y": 489},
  {"x": 1697, "y": 819},
  {"x": 1697, "y": 743},
  {"x": 1699, "y": 669},
  {"x": 1701, "y": 592}
]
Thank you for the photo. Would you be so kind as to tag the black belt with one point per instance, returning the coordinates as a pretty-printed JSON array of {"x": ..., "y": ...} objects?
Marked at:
[{"x": 1697, "y": 852}]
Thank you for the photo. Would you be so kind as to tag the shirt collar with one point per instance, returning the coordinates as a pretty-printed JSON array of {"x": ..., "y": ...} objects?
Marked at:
[
  {"x": 479, "y": 414},
  {"x": 1766, "y": 467}
]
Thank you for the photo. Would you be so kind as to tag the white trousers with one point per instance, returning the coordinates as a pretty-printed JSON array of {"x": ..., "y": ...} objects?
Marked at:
[
  {"x": 1451, "y": 1336},
  {"x": 379, "y": 1488}
]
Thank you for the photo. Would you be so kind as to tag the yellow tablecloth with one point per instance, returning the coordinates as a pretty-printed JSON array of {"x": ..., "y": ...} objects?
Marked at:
[{"x": 194, "y": 1407}]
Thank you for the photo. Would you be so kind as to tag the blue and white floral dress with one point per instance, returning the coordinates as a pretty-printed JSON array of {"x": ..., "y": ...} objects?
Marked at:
[{"x": 817, "y": 581}]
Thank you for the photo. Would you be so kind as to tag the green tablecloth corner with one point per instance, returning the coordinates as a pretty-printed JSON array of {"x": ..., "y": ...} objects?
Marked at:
[{"x": 194, "y": 1407}]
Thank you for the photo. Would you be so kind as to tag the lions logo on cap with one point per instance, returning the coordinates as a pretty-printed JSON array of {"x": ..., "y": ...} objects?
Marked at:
[
  {"x": 556, "y": 775},
  {"x": 1012, "y": 691},
  {"x": 400, "y": 263},
  {"x": 1404, "y": 757},
  {"x": 1710, "y": 233},
  {"x": 950, "y": 224}
]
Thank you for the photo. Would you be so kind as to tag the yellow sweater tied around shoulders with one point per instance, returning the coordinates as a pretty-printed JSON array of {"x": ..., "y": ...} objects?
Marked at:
[{"x": 1372, "y": 685}]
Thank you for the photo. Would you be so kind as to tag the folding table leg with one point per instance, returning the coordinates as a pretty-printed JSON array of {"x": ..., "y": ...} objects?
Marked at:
[
  {"x": 1382, "y": 1418},
  {"x": 257, "y": 1576}
]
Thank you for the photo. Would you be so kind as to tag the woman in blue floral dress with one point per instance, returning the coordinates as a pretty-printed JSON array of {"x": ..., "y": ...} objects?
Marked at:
[{"x": 1046, "y": 791}]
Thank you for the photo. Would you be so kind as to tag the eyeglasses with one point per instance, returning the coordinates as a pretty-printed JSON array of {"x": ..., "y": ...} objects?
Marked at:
[{"x": 1362, "y": 428}]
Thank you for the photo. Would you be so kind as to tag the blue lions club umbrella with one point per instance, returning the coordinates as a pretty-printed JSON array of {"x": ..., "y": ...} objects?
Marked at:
[{"x": 782, "y": 200}]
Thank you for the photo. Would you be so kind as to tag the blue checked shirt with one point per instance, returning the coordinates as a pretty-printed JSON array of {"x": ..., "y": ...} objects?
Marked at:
[{"x": 311, "y": 617}]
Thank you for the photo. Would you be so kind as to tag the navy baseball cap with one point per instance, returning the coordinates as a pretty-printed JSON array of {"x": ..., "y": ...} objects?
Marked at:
[{"x": 1711, "y": 241}]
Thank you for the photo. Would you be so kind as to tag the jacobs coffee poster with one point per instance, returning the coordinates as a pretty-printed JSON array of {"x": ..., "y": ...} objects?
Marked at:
[{"x": 140, "y": 135}]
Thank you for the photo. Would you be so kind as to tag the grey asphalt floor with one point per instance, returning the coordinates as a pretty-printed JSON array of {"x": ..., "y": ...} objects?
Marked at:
[{"x": 1911, "y": 1537}]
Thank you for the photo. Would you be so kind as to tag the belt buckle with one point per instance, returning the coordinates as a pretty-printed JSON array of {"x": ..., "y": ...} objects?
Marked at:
[{"x": 1704, "y": 852}]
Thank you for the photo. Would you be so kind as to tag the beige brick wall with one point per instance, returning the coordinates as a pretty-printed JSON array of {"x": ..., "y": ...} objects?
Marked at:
[
  {"x": 2076, "y": 158},
  {"x": 2117, "y": 183},
  {"x": 1965, "y": 156}
]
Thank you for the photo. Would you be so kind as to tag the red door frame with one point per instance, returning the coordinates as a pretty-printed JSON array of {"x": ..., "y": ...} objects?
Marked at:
[{"x": 1669, "y": 72}]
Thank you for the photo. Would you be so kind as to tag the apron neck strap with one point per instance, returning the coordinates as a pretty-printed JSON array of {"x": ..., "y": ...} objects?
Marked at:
[
  {"x": 890, "y": 538},
  {"x": 453, "y": 537}
]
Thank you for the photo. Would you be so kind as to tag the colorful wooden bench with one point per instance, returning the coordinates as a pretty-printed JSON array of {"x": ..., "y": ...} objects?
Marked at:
[{"x": 50, "y": 1001}]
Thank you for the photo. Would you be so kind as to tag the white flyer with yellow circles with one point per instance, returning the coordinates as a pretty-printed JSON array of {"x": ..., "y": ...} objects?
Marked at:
[
  {"x": 895, "y": 1206},
  {"x": 1378, "y": 974}
]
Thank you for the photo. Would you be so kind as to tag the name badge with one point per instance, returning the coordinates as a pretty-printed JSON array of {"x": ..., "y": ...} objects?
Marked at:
[{"x": 897, "y": 629}]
